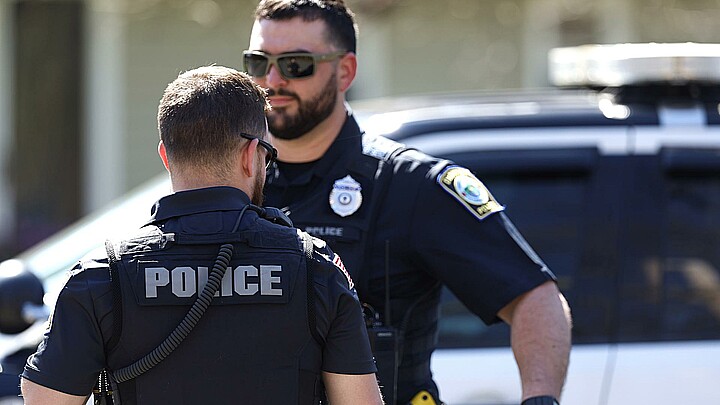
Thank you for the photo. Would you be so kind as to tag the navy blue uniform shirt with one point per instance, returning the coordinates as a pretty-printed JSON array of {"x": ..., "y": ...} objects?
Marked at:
[{"x": 422, "y": 220}]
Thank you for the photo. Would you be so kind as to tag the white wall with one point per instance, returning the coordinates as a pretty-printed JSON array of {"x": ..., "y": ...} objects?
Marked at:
[
  {"x": 105, "y": 81},
  {"x": 162, "y": 40}
]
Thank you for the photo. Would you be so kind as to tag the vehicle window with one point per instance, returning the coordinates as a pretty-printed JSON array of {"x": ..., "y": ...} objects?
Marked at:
[
  {"x": 545, "y": 192},
  {"x": 672, "y": 291},
  {"x": 634, "y": 241},
  {"x": 690, "y": 273}
]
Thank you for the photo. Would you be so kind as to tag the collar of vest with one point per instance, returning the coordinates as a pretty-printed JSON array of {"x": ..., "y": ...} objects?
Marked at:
[
  {"x": 157, "y": 240},
  {"x": 197, "y": 201}
]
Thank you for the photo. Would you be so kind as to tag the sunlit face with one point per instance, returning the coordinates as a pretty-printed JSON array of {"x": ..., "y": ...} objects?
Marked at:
[{"x": 298, "y": 104}]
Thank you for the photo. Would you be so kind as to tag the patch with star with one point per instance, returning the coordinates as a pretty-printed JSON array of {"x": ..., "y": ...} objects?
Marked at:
[{"x": 460, "y": 183}]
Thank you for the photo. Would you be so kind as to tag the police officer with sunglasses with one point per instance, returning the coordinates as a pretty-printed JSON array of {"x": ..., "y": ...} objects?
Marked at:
[
  {"x": 404, "y": 222},
  {"x": 215, "y": 300}
]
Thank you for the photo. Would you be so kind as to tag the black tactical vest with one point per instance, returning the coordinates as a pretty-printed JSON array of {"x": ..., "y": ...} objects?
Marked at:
[{"x": 246, "y": 348}]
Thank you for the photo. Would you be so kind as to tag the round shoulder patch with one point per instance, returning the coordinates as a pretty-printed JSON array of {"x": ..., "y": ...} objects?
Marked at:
[
  {"x": 460, "y": 183},
  {"x": 470, "y": 189}
]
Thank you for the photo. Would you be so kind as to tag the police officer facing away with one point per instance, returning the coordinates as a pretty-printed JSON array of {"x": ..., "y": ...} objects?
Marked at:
[
  {"x": 391, "y": 211},
  {"x": 283, "y": 318}
]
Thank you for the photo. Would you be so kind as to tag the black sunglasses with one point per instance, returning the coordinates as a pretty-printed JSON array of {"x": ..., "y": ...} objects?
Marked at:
[
  {"x": 291, "y": 65},
  {"x": 271, "y": 154}
]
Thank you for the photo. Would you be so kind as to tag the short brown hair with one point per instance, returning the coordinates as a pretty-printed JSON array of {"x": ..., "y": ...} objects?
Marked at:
[
  {"x": 202, "y": 113},
  {"x": 339, "y": 19}
]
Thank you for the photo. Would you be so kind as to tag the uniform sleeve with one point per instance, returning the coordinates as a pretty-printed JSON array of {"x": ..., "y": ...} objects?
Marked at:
[
  {"x": 71, "y": 354},
  {"x": 340, "y": 320},
  {"x": 471, "y": 246}
]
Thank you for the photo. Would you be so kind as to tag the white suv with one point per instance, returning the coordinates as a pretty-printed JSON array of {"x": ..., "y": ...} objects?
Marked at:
[{"x": 616, "y": 185}]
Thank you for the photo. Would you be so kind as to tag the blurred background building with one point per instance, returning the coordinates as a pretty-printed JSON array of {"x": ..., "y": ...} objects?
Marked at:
[{"x": 80, "y": 79}]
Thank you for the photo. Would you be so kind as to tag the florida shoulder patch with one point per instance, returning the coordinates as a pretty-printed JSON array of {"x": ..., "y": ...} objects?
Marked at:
[{"x": 460, "y": 183}]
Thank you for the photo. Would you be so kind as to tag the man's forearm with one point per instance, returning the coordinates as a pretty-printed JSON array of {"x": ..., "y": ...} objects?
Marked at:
[
  {"x": 540, "y": 337},
  {"x": 35, "y": 394},
  {"x": 347, "y": 389}
]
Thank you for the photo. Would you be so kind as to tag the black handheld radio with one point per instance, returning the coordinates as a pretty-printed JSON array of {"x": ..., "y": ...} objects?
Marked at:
[{"x": 384, "y": 340}]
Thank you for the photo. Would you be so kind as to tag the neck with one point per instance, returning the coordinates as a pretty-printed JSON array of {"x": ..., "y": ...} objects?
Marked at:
[
  {"x": 312, "y": 145},
  {"x": 197, "y": 180}
]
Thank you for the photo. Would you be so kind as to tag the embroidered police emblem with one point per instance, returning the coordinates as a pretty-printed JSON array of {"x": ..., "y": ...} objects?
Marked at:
[
  {"x": 346, "y": 196},
  {"x": 469, "y": 191}
]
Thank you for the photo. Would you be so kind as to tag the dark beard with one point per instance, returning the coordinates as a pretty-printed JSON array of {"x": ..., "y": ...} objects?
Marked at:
[{"x": 310, "y": 113}]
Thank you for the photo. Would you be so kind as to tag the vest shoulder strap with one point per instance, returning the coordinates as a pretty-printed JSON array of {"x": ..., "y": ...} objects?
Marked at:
[
  {"x": 103, "y": 391},
  {"x": 116, "y": 294},
  {"x": 309, "y": 249}
]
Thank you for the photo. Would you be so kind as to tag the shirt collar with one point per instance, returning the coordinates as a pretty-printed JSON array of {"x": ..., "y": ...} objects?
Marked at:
[
  {"x": 348, "y": 139},
  {"x": 196, "y": 201}
]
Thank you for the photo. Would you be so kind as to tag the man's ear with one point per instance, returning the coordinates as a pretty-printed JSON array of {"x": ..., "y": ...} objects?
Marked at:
[
  {"x": 347, "y": 71},
  {"x": 163, "y": 155},
  {"x": 247, "y": 159}
]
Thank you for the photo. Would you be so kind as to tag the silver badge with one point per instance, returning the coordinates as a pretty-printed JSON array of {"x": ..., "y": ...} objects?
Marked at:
[{"x": 346, "y": 196}]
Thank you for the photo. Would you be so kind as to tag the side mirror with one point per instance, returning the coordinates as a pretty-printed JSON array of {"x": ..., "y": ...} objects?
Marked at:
[{"x": 21, "y": 297}]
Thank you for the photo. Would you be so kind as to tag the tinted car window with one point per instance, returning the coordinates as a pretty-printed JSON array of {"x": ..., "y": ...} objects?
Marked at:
[
  {"x": 673, "y": 289},
  {"x": 545, "y": 192},
  {"x": 634, "y": 241}
]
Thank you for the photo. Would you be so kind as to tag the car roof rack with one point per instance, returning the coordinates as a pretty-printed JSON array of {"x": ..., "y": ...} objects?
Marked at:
[{"x": 640, "y": 72}]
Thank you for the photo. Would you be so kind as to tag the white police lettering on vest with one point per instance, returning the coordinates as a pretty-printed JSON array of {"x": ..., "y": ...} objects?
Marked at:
[{"x": 187, "y": 281}]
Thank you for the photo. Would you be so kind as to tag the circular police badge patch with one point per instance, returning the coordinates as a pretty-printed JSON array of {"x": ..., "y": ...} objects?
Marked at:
[
  {"x": 470, "y": 189},
  {"x": 346, "y": 196},
  {"x": 460, "y": 183}
]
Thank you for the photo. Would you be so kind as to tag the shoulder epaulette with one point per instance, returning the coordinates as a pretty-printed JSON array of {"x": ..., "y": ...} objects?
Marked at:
[{"x": 380, "y": 147}]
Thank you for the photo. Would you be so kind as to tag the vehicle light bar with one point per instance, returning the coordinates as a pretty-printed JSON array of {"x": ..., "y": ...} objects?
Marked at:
[{"x": 635, "y": 64}]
